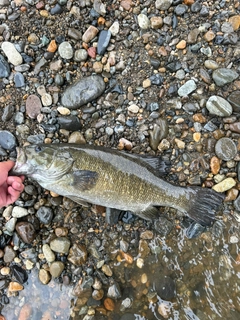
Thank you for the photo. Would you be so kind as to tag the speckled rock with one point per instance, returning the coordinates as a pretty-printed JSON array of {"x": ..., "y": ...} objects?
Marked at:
[
  {"x": 19, "y": 212},
  {"x": 143, "y": 21},
  {"x": 163, "y": 4},
  {"x": 219, "y": 106},
  {"x": 83, "y": 91},
  {"x": 224, "y": 185},
  {"x": 187, "y": 88},
  {"x": 65, "y": 50},
  {"x": 225, "y": 149}
]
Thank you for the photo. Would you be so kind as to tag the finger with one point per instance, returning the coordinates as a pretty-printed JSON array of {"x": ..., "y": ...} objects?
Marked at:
[
  {"x": 18, "y": 186},
  {"x": 13, "y": 195},
  {"x": 6, "y": 165}
]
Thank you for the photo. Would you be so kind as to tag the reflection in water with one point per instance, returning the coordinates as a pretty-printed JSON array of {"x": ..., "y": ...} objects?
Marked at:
[{"x": 179, "y": 278}]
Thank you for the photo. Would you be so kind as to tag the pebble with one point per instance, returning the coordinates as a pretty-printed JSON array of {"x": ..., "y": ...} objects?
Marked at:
[
  {"x": 4, "y": 67},
  {"x": 103, "y": 41},
  {"x": 76, "y": 137},
  {"x": 223, "y": 76},
  {"x": 80, "y": 55},
  {"x": 14, "y": 57},
  {"x": 163, "y": 4},
  {"x": 26, "y": 231},
  {"x": 19, "y": 80},
  {"x": 71, "y": 123},
  {"x": 45, "y": 214},
  {"x": 165, "y": 287},
  {"x": 19, "y": 212},
  {"x": 56, "y": 268},
  {"x": 33, "y": 106},
  {"x": 211, "y": 64},
  {"x": 77, "y": 254},
  {"x": 90, "y": 34},
  {"x": 63, "y": 111},
  {"x": 10, "y": 225},
  {"x": 219, "y": 106},
  {"x": 156, "y": 22},
  {"x": 65, "y": 50},
  {"x": 114, "y": 29},
  {"x": 52, "y": 47},
  {"x": 225, "y": 149},
  {"x": 224, "y": 185},
  {"x": 234, "y": 99},
  {"x": 9, "y": 254},
  {"x": 182, "y": 44},
  {"x": 133, "y": 108},
  {"x": 15, "y": 286},
  {"x": 44, "y": 276},
  {"x": 48, "y": 253},
  {"x": 83, "y": 91},
  {"x": 187, "y": 88},
  {"x": 215, "y": 165},
  {"x": 143, "y": 21},
  {"x": 46, "y": 99},
  {"x": 7, "y": 140},
  {"x": 60, "y": 245}
]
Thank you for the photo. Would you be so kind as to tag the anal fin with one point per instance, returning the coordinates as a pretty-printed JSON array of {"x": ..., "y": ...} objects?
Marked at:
[{"x": 150, "y": 213}]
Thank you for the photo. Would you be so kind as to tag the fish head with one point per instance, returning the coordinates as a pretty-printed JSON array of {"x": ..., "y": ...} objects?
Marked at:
[{"x": 42, "y": 162}]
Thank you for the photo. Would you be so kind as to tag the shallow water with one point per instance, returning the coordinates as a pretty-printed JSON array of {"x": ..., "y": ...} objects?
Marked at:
[{"x": 205, "y": 272}]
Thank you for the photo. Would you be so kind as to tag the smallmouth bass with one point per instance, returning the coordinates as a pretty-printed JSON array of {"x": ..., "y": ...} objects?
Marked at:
[{"x": 113, "y": 179}]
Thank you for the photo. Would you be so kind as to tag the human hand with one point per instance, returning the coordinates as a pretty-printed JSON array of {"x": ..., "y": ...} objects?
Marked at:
[{"x": 10, "y": 186}]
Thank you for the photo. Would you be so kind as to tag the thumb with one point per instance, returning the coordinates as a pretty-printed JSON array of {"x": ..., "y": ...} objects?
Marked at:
[{"x": 4, "y": 169}]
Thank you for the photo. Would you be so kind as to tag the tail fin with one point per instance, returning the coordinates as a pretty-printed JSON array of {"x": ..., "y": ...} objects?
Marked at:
[{"x": 204, "y": 205}]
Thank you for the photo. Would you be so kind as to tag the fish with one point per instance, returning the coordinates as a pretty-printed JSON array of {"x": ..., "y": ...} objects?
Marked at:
[{"x": 114, "y": 179}]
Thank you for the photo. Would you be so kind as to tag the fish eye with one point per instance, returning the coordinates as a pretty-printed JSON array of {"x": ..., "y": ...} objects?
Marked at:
[{"x": 38, "y": 149}]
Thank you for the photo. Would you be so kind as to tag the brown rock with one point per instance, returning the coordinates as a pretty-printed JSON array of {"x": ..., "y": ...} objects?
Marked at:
[
  {"x": 197, "y": 136},
  {"x": 181, "y": 45},
  {"x": 101, "y": 21},
  {"x": 89, "y": 34},
  {"x": 61, "y": 232},
  {"x": 214, "y": 165},
  {"x": 235, "y": 127},
  {"x": 40, "y": 5},
  {"x": 26, "y": 231},
  {"x": 15, "y": 286},
  {"x": 231, "y": 195},
  {"x": 33, "y": 106},
  {"x": 156, "y": 22},
  {"x": 204, "y": 76},
  {"x": 192, "y": 36},
  {"x": 209, "y": 36},
  {"x": 126, "y": 256},
  {"x": 235, "y": 22},
  {"x": 77, "y": 254},
  {"x": 126, "y": 4},
  {"x": 109, "y": 304},
  {"x": 188, "y": 2},
  {"x": 198, "y": 117},
  {"x": 162, "y": 50},
  {"x": 52, "y": 47}
]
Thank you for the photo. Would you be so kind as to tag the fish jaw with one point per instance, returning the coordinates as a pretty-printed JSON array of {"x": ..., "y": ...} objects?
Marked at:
[{"x": 22, "y": 166}]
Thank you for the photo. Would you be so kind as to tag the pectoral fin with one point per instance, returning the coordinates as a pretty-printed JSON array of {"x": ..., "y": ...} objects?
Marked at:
[
  {"x": 84, "y": 179},
  {"x": 79, "y": 201},
  {"x": 150, "y": 213}
]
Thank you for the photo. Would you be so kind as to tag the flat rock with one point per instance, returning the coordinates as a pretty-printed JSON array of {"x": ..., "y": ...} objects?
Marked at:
[
  {"x": 65, "y": 50},
  {"x": 219, "y": 106},
  {"x": 225, "y": 149},
  {"x": 234, "y": 99},
  {"x": 103, "y": 41},
  {"x": 33, "y": 106},
  {"x": 187, "y": 88},
  {"x": 224, "y": 185},
  {"x": 7, "y": 140},
  {"x": 89, "y": 34},
  {"x": 223, "y": 76},
  {"x": 83, "y": 91},
  {"x": 11, "y": 53},
  {"x": 163, "y": 4}
]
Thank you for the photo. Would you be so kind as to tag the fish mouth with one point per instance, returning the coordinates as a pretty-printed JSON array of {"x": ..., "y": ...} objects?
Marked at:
[{"x": 21, "y": 166}]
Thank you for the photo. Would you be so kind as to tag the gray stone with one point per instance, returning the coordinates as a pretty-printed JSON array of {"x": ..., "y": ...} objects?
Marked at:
[
  {"x": 7, "y": 140},
  {"x": 103, "y": 41},
  {"x": 83, "y": 91},
  {"x": 223, "y": 76},
  {"x": 187, "y": 88},
  {"x": 19, "y": 80},
  {"x": 225, "y": 149},
  {"x": 65, "y": 50},
  {"x": 219, "y": 106},
  {"x": 80, "y": 55},
  {"x": 56, "y": 269},
  {"x": 234, "y": 99},
  {"x": 19, "y": 212},
  {"x": 143, "y": 21},
  {"x": 4, "y": 67},
  {"x": 11, "y": 53},
  {"x": 163, "y": 4},
  {"x": 45, "y": 214}
]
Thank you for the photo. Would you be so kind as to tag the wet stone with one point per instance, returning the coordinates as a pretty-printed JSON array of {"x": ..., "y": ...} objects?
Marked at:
[
  {"x": 33, "y": 106},
  {"x": 234, "y": 99},
  {"x": 80, "y": 55},
  {"x": 60, "y": 245},
  {"x": 71, "y": 123},
  {"x": 57, "y": 9},
  {"x": 9, "y": 254},
  {"x": 219, "y": 106},
  {"x": 19, "y": 274},
  {"x": 194, "y": 230},
  {"x": 83, "y": 91},
  {"x": 26, "y": 231},
  {"x": 19, "y": 212},
  {"x": 10, "y": 225},
  {"x": 44, "y": 276},
  {"x": 77, "y": 254},
  {"x": 163, "y": 4},
  {"x": 45, "y": 214},
  {"x": 156, "y": 79},
  {"x": 225, "y": 149},
  {"x": 223, "y": 76},
  {"x": 48, "y": 253},
  {"x": 4, "y": 67},
  {"x": 224, "y": 185},
  {"x": 180, "y": 9},
  {"x": 165, "y": 287},
  {"x": 103, "y": 41},
  {"x": 7, "y": 140},
  {"x": 56, "y": 268},
  {"x": 187, "y": 88},
  {"x": 8, "y": 113}
]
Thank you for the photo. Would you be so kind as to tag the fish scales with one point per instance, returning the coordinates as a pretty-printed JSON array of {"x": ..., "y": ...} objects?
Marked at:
[{"x": 113, "y": 179}]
